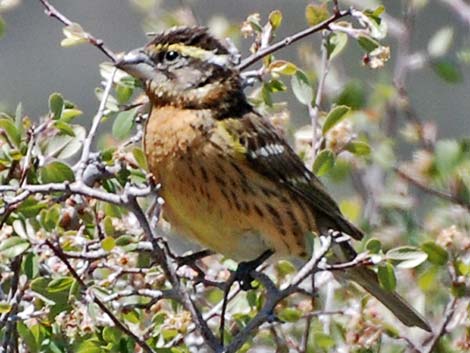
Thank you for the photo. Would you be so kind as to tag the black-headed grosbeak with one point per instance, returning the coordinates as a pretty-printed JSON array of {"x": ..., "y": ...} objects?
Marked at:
[{"x": 230, "y": 181}]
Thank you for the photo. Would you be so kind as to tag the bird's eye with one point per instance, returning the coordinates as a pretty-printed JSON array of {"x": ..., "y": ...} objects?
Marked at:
[{"x": 171, "y": 55}]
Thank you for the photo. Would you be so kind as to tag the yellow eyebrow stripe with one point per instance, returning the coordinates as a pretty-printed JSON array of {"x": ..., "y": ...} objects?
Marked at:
[{"x": 195, "y": 52}]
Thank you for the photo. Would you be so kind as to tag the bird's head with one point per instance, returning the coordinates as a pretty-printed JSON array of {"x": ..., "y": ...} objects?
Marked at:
[{"x": 186, "y": 67}]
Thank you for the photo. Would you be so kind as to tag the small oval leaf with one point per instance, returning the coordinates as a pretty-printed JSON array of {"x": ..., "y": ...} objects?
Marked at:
[
  {"x": 60, "y": 284},
  {"x": 56, "y": 172},
  {"x": 387, "y": 277},
  {"x": 334, "y": 117},
  {"x": 123, "y": 124},
  {"x": 324, "y": 162},
  {"x": 13, "y": 247},
  {"x": 56, "y": 105},
  {"x": 359, "y": 148},
  {"x": 302, "y": 87},
  {"x": 275, "y": 18},
  {"x": 436, "y": 253}
]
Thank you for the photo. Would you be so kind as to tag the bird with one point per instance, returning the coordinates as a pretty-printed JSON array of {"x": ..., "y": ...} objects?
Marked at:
[{"x": 230, "y": 180}]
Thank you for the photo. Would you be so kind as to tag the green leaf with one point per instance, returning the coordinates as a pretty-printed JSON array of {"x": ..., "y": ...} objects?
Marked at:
[
  {"x": 276, "y": 86},
  {"x": 65, "y": 146},
  {"x": 275, "y": 19},
  {"x": 31, "y": 265},
  {"x": 336, "y": 43},
  {"x": 359, "y": 148},
  {"x": 56, "y": 172},
  {"x": 12, "y": 132},
  {"x": 60, "y": 284},
  {"x": 302, "y": 87},
  {"x": 56, "y": 105},
  {"x": 69, "y": 114},
  {"x": 368, "y": 43},
  {"x": 285, "y": 267},
  {"x": 448, "y": 70},
  {"x": 30, "y": 207},
  {"x": 408, "y": 256},
  {"x": 374, "y": 246},
  {"x": 64, "y": 127},
  {"x": 88, "y": 346},
  {"x": 50, "y": 218},
  {"x": 140, "y": 158},
  {"x": 387, "y": 277},
  {"x": 323, "y": 341},
  {"x": 314, "y": 14},
  {"x": 324, "y": 161},
  {"x": 352, "y": 95},
  {"x": 74, "y": 34},
  {"x": 440, "y": 42},
  {"x": 351, "y": 208},
  {"x": 108, "y": 243},
  {"x": 290, "y": 314},
  {"x": 436, "y": 253},
  {"x": 334, "y": 117},
  {"x": 5, "y": 307},
  {"x": 123, "y": 124},
  {"x": 428, "y": 280},
  {"x": 27, "y": 336},
  {"x": 13, "y": 246},
  {"x": 111, "y": 334},
  {"x": 282, "y": 67},
  {"x": 266, "y": 94},
  {"x": 123, "y": 93},
  {"x": 125, "y": 240}
]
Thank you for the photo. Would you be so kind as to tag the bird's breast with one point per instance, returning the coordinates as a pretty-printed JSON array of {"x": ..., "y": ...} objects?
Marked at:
[{"x": 216, "y": 199}]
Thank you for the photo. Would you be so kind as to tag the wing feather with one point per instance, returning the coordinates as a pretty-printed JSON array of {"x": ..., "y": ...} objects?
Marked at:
[{"x": 269, "y": 154}]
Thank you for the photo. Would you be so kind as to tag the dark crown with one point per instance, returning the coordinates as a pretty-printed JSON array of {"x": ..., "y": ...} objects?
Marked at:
[{"x": 192, "y": 36}]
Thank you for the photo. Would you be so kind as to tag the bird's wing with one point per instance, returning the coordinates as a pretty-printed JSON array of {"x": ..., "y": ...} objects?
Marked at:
[{"x": 267, "y": 153}]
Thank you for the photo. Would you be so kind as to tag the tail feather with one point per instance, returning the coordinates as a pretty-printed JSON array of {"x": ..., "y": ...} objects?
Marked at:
[{"x": 367, "y": 279}]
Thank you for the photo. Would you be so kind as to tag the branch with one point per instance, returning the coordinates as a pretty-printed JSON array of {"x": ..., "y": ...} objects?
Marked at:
[
  {"x": 74, "y": 188},
  {"x": 17, "y": 290},
  {"x": 94, "y": 126},
  {"x": 121, "y": 326},
  {"x": 313, "y": 111},
  {"x": 274, "y": 296},
  {"x": 441, "y": 194},
  {"x": 170, "y": 272},
  {"x": 51, "y": 11},
  {"x": 442, "y": 330},
  {"x": 291, "y": 39}
]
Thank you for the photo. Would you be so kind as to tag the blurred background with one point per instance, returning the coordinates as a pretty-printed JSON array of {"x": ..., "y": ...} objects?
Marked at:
[{"x": 33, "y": 64}]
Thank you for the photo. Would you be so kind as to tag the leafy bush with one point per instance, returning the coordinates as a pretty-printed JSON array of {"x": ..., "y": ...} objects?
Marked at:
[{"x": 83, "y": 266}]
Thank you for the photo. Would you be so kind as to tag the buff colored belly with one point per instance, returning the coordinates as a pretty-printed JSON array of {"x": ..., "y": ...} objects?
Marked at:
[
  {"x": 207, "y": 222},
  {"x": 217, "y": 201}
]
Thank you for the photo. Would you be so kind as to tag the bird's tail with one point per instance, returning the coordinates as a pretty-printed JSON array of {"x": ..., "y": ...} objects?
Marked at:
[{"x": 367, "y": 279}]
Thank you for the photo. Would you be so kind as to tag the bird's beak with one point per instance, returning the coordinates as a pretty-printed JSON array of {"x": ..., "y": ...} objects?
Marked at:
[{"x": 136, "y": 63}]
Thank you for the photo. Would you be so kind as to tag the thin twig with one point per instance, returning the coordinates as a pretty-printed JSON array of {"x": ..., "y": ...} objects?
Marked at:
[
  {"x": 439, "y": 193},
  {"x": 94, "y": 127},
  {"x": 51, "y": 11},
  {"x": 121, "y": 326},
  {"x": 275, "y": 295},
  {"x": 170, "y": 272},
  {"x": 442, "y": 330},
  {"x": 314, "y": 111},
  {"x": 291, "y": 39},
  {"x": 14, "y": 298}
]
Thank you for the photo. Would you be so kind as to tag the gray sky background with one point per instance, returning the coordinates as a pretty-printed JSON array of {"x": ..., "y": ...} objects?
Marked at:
[{"x": 33, "y": 65}]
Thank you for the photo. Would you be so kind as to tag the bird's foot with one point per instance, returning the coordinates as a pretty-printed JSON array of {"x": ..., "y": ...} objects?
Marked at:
[
  {"x": 190, "y": 259},
  {"x": 242, "y": 274}
]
